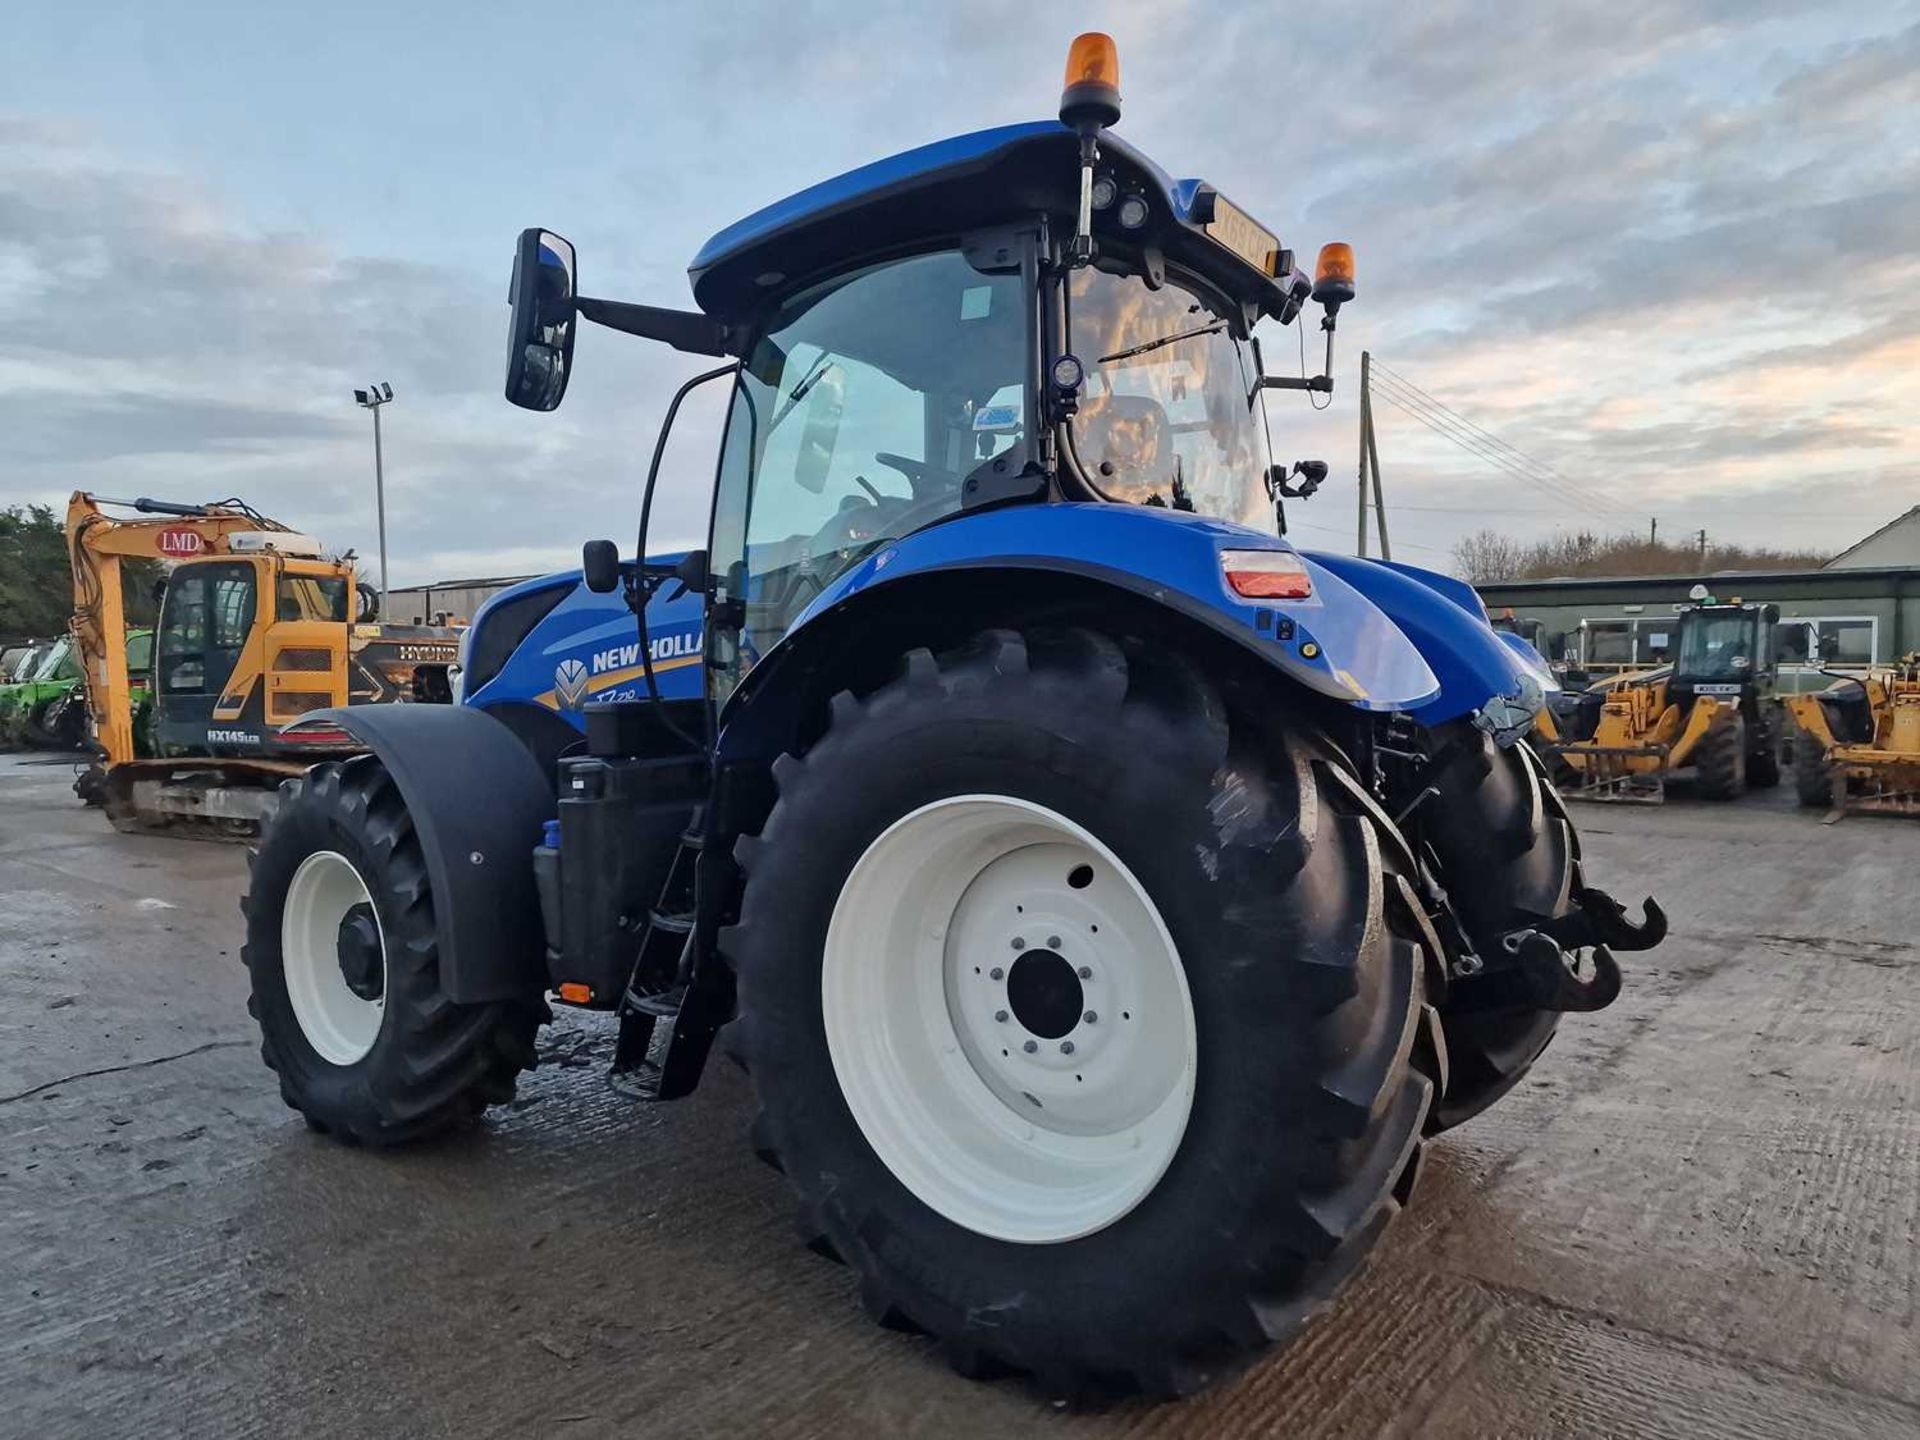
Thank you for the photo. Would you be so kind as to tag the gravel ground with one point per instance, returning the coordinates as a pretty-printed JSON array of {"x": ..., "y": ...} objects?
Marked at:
[{"x": 1697, "y": 1218}]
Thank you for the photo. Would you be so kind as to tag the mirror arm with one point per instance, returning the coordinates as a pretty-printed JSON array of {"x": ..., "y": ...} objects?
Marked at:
[
  {"x": 1321, "y": 383},
  {"x": 682, "y": 329}
]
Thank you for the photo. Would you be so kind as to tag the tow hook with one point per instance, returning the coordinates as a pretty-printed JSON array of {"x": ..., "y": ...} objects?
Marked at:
[
  {"x": 1539, "y": 975},
  {"x": 1599, "y": 919}
]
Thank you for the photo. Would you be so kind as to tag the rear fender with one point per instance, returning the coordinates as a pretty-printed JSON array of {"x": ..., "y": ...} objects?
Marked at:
[
  {"x": 1443, "y": 619},
  {"x": 1337, "y": 642},
  {"x": 477, "y": 800}
]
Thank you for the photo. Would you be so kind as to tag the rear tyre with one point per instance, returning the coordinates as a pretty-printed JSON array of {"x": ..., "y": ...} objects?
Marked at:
[
  {"x": 1037, "y": 843},
  {"x": 1508, "y": 857},
  {"x": 1720, "y": 758},
  {"x": 344, "y": 960},
  {"x": 1812, "y": 778}
]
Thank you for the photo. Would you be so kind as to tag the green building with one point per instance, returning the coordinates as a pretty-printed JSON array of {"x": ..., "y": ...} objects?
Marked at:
[{"x": 1869, "y": 614}]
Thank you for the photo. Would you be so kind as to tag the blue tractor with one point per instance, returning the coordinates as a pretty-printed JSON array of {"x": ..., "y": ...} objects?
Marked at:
[{"x": 1107, "y": 898}]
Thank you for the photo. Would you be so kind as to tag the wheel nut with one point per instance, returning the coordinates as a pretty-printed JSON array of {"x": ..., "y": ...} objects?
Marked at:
[
  {"x": 1066, "y": 1047},
  {"x": 1053, "y": 942},
  {"x": 1031, "y": 1046},
  {"x": 996, "y": 973},
  {"x": 1090, "y": 1017},
  {"x": 1018, "y": 943},
  {"x": 1086, "y": 972},
  {"x": 1001, "y": 1016}
]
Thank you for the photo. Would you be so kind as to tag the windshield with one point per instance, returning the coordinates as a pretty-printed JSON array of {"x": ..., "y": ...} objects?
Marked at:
[
  {"x": 55, "y": 664},
  {"x": 1165, "y": 418},
  {"x": 859, "y": 415},
  {"x": 1716, "y": 647}
]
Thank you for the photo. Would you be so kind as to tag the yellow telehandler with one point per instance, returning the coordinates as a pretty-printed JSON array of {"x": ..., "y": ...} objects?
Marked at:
[
  {"x": 1709, "y": 716},
  {"x": 1856, "y": 744}
]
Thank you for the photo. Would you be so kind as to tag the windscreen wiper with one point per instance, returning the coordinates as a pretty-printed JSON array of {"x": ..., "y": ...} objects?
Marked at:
[
  {"x": 1164, "y": 340},
  {"x": 812, "y": 378}
]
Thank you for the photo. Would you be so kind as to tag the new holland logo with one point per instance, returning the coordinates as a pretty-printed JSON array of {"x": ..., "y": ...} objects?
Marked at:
[{"x": 570, "y": 683}]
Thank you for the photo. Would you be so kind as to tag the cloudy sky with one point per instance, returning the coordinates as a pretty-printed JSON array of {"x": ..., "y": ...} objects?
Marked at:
[{"x": 1667, "y": 250}]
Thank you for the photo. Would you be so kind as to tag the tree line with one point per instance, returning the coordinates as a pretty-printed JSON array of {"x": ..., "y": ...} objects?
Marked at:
[
  {"x": 1487, "y": 556},
  {"x": 36, "y": 581}
]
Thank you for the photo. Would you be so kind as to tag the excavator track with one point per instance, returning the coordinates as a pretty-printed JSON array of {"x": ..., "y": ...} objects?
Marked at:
[{"x": 190, "y": 800}]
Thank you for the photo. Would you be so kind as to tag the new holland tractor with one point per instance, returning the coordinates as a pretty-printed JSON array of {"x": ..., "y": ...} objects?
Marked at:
[{"x": 1106, "y": 898}]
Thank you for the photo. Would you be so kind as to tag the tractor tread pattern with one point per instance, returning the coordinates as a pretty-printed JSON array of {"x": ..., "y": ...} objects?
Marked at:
[
  {"x": 1510, "y": 859},
  {"x": 1321, "y": 890},
  {"x": 437, "y": 1064}
]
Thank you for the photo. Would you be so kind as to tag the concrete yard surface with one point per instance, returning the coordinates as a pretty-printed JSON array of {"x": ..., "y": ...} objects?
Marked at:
[{"x": 1696, "y": 1219}]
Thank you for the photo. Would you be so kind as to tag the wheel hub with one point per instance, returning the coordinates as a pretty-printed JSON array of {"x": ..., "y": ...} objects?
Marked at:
[
  {"x": 1044, "y": 994},
  {"x": 358, "y": 948},
  {"x": 1008, "y": 1019},
  {"x": 333, "y": 958}
]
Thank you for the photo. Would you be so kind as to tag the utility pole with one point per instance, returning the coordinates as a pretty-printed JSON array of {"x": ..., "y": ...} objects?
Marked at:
[
  {"x": 1373, "y": 459},
  {"x": 1653, "y": 531},
  {"x": 1702, "y": 538},
  {"x": 1370, "y": 464},
  {"x": 372, "y": 398}
]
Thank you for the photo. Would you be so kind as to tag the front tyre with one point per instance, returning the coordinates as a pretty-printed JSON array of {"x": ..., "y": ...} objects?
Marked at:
[
  {"x": 1812, "y": 776},
  {"x": 1720, "y": 759},
  {"x": 1087, "y": 1022},
  {"x": 344, "y": 961},
  {"x": 1508, "y": 857}
]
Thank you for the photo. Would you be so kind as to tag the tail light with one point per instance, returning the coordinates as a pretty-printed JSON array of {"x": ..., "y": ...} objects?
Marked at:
[{"x": 1266, "y": 574}]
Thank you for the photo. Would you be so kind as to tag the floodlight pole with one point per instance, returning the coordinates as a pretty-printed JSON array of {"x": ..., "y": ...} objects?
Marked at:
[{"x": 372, "y": 398}]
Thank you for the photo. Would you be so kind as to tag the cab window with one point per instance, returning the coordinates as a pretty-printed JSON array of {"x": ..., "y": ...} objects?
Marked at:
[
  {"x": 311, "y": 597},
  {"x": 205, "y": 624},
  {"x": 859, "y": 415}
]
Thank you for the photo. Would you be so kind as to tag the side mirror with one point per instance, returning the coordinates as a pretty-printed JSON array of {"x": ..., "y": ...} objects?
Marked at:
[
  {"x": 692, "y": 571},
  {"x": 540, "y": 332},
  {"x": 1829, "y": 646},
  {"x": 600, "y": 566}
]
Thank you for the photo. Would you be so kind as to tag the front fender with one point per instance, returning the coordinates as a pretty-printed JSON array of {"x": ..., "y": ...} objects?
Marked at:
[
  {"x": 476, "y": 798},
  {"x": 1337, "y": 643},
  {"x": 1442, "y": 617}
]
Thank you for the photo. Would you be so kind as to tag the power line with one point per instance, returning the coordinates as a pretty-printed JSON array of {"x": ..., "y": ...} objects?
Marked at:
[
  {"x": 1467, "y": 440},
  {"x": 1515, "y": 451},
  {"x": 1493, "y": 458}
]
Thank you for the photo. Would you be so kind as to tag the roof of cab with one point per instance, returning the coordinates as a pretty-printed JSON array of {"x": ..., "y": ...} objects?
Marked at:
[{"x": 968, "y": 181}]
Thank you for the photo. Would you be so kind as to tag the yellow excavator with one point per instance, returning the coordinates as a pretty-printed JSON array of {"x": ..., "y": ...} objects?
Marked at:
[
  {"x": 258, "y": 627},
  {"x": 1857, "y": 744},
  {"x": 1708, "y": 716}
]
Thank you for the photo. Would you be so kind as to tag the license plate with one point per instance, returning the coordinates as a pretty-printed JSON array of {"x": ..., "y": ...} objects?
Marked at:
[
  {"x": 1716, "y": 689},
  {"x": 1239, "y": 232}
]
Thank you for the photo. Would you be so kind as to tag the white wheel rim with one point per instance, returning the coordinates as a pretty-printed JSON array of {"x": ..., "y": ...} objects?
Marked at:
[
  {"x": 1008, "y": 1126},
  {"x": 340, "y": 1025}
]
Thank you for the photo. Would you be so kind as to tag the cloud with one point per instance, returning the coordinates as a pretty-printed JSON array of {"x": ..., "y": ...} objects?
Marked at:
[{"x": 1665, "y": 247}]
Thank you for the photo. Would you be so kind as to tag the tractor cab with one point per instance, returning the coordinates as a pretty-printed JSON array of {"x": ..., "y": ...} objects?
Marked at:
[{"x": 1028, "y": 315}]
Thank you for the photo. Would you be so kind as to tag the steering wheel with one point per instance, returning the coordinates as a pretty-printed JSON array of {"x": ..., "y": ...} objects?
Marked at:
[
  {"x": 918, "y": 472},
  {"x": 860, "y": 523}
]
